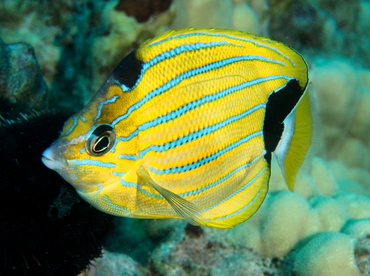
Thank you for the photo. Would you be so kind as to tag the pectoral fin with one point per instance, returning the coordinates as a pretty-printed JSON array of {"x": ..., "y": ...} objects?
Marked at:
[{"x": 185, "y": 209}]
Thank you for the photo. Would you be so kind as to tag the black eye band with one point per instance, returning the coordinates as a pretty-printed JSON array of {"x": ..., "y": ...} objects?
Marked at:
[{"x": 101, "y": 140}]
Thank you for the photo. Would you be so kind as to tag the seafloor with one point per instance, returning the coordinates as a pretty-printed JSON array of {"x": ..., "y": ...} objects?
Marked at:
[{"x": 55, "y": 55}]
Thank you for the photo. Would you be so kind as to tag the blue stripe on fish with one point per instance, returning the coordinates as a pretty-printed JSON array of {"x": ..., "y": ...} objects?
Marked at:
[
  {"x": 222, "y": 179},
  {"x": 209, "y": 98},
  {"x": 209, "y": 186},
  {"x": 170, "y": 84},
  {"x": 72, "y": 127},
  {"x": 118, "y": 173},
  {"x": 101, "y": 105},
  {"x": 127, "y": 184},
  {"x": 240, "y": 210},
  {"x": 246, "y": 185},
  {"x": 197, "y": 134},
  {"x": 93, "y": 163},
  {"x": 128, "y": 156},
  {"x": 127, "y": 138},
  {"x": 226, "y": 36},
  {"x": 90, "y": 183},
  {"x": 169, "y": 54},
  {"x": 207, "y": 159}
]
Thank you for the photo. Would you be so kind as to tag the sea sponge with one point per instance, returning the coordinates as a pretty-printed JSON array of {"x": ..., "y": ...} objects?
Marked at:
[{"x": 327, "y": 254}]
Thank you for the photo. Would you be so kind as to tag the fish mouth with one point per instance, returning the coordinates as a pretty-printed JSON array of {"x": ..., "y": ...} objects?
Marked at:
[{"x": 51, "y": 161}]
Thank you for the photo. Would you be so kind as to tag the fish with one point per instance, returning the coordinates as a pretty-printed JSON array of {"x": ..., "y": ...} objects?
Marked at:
[{"x": 185, "y": 127}]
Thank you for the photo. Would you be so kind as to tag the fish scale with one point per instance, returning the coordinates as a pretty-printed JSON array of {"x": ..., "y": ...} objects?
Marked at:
[{"x": 185, "y": 126}]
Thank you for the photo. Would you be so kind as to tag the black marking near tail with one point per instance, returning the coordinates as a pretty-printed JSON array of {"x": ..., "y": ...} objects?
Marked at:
[
  {"x": 128, "y": 70},
  {"x": 279, "y": 105}
]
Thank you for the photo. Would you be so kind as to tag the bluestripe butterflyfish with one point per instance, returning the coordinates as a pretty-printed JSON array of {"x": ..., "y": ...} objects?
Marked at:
[{"x": 185, "y": 126}]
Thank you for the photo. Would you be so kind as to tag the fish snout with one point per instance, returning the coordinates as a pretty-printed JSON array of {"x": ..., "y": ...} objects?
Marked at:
[{"x": 51, "y": 159}]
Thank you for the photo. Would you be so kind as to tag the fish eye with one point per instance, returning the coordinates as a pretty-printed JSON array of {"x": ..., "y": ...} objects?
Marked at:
[{"x": 101, "y": 140}]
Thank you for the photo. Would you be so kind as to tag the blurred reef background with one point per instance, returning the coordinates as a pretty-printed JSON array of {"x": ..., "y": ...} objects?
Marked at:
[{"x": 54, "y": 55}]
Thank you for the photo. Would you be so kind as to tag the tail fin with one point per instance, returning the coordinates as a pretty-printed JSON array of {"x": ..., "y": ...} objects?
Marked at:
[{"x": 296, "y": 140}]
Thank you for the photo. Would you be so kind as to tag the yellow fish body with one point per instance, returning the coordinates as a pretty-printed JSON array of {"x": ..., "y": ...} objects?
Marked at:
[{"x": 184, "y": 127}]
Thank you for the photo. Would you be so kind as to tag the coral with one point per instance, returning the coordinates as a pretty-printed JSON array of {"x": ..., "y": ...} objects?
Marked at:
[
  {"x": 331, "y": 196},
  {"x": 345, "y": 93},
  {"x": 24, "y": 21},
  {"x": 21, "y": 83},
  {"x": 322, "y": 26},
  {"x": 362, "y": 254},
  {"x": 331, "y": 214},
  {"x": 125, "y": 237},
  {"x": 313, "y": 258},
  {"x": 357, "y": 228},
  {"x": 197, "y": 251},
  {"x": 219, "y": 14},
  {"x": 357, "y": 205},
  {"x": 77, "y": 43},
  {"x": 323, "y": 176},
  {"x": 112, "y": 264},
  {"x": 285, "y": 220},
  {"x": 123, "y": 34},
  {"x": 209, "y": 9},
  {"x": 344, "y": 135}
]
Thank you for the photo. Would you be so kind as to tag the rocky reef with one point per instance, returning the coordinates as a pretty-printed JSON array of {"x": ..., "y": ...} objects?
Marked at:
[
  {"x": 22, "y": 87},
  {"x": 321, "y": 229}
]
